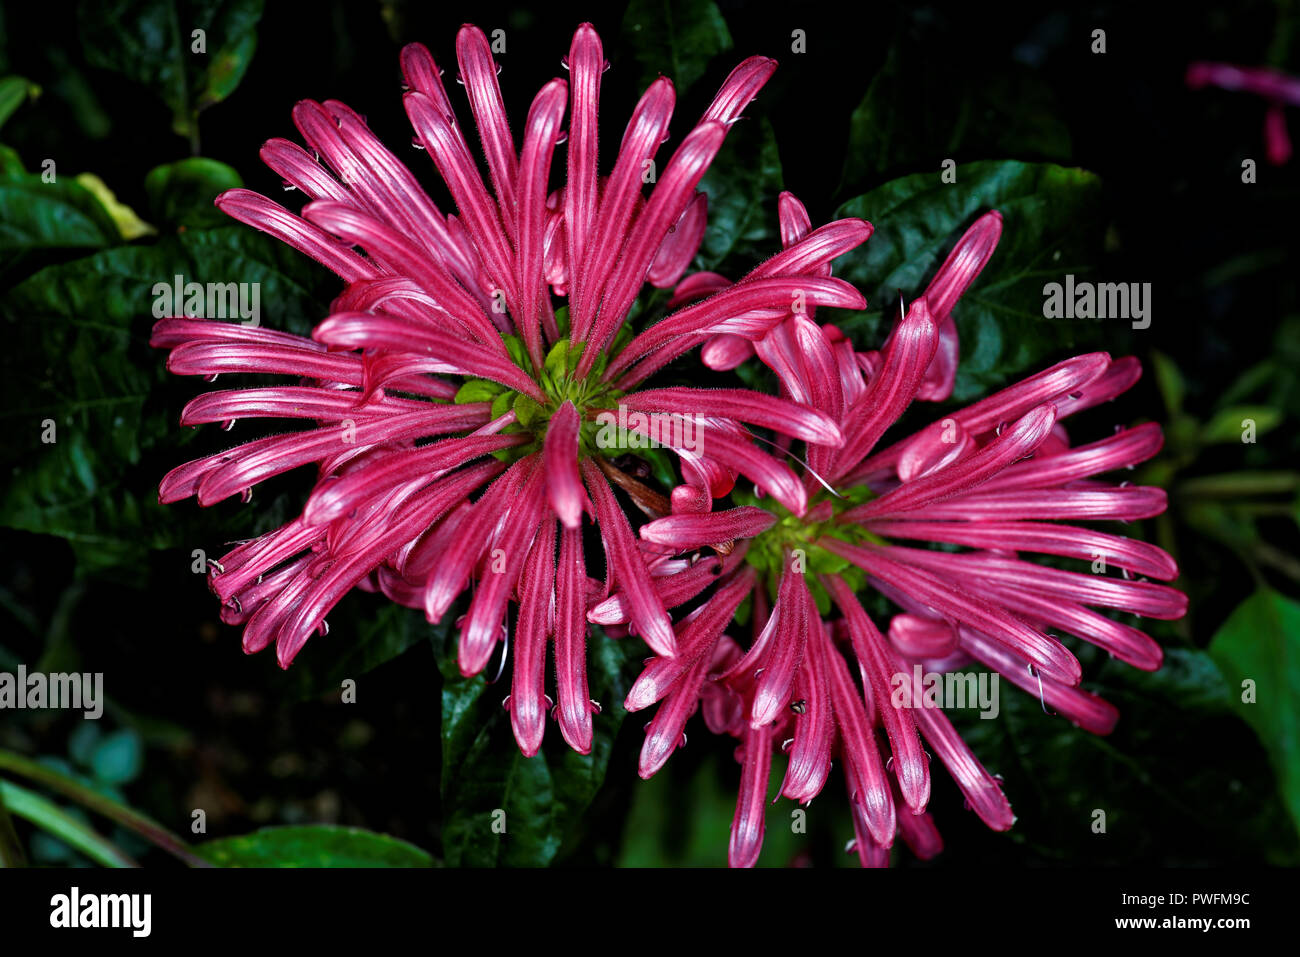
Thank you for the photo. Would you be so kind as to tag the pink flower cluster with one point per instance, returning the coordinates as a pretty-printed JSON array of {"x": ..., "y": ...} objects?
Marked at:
[{"x": 452, "y": 403}]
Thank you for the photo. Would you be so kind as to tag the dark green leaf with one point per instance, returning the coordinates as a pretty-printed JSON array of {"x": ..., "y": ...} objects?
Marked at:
[
  {"x": 13, "y": 91},
  {"x": 181, "y": 193},
  {"x": 1160, "y": 792},
  {"x": 488, "y": 785},
  {"x": 916, "y": 114},
  {"x": 38, "y": 215},
  {"x": 674, "y": 38},
  {"x": 1258, "y": 648},
  {"x": 153, "y": 43},
  {"x": 78, "y": 363},
  {"x": 316, "y": 845},
  {"x": 1051, "y": 228},
  {"x": 1229, "y": 425},
  {"x": 365, "y": 632},
  {"x": 743, "y": 184}
]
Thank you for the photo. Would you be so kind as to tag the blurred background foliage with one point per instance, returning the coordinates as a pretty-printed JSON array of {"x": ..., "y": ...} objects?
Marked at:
[{"x": 114, "y": 138}]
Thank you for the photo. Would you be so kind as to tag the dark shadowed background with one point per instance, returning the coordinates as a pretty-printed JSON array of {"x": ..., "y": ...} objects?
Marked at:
[{"x": 96, "y": 576}]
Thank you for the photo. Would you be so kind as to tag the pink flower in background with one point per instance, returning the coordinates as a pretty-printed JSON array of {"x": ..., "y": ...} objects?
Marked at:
[
  {"x": 453, "y": 408},
  {"x": 1278, "y": 88},
  {"x": 996, "y": 479}
]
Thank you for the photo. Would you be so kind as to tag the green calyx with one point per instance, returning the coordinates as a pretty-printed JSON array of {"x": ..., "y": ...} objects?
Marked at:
[
  {"x": 793, "y": 543},
  {"x": 560, "y": 382}
]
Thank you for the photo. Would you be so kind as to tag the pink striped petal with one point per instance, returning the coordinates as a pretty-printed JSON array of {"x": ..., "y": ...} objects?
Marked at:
[
  {"x": 627, "y": 566},
  {"x": 751, "y": 801},
  {"x": 560, "y": 459},
  {"x": 527, "y": 697}
]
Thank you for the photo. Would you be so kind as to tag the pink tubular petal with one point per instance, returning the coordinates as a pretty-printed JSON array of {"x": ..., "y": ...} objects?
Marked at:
[
  {"x": 730, "y": 311},
  {"x": 291, "y": 402},
  {"x": 424, "y": 76},
  {"x": 865, "y": 774},
  {"x": 794, "y": 218},
  {"x": 534, "y": 170},
  {"x": 274, "y": 220},
  {"x": 359, "y": 330},
  {"x": 738, "y": 89},
  {"x": 726, "y": 351},
  {"x": 916, "y": 636},
  {"x": 812, "y": 254},
  {"x": 684, "y": 533},
  {"x": 698, "y": 638},
  {"x": 814, "y": 729},
  {"x": 1262, "y": 81},
  {"x": 390, "y": 246},
  {"x": 889, "y": 392},
  {"x": 586, "y": 64},
  {"x": 404, "y": 202},
  {"x": 479, "y": 214},
  {"x": 1009, "y": 447},
  {"x": 1141, "y": 598},
  {"x": 470, "y": 540},
  {"x": 560, "y": 459},
  {"x": 478, "y": 71},
  {"x": 335, "y": 497},
  {"x": 723, "y": 447},
  {"x": 1053, "y": 385},
  {"x": 1045, "y": 537},
  {"x": 299, "y": 169},
  {"x": 304, "y": 608},
  {"x": 1277, "y": 141},
  {"x": 793, "y": 617},
  {"x": 1125, "y": 642},
  {"x": 982, "y": 791},
  {"x": 571, "y": 645},
  {"x": 751, "y": 802},
  {"x": 870, "y": 854},
  {"x": 680, "y": 245},
  {"x": 645, "y": 132},
  {"x": 519, "y": 523},
  {"x": 527, "y": 698},
  {"x": 219, "y": 476},
  {"x": 879, "y": 665},
  {"x": 967, "y": 259},
  {"x": 697, "y": 286},
  {"x": 780, "y": 415},
  {"x": 1032, "y": 646},
  {"x": 941, "y": 375},
  {"x": 671, "y": 194},
  {"x": 933, "y": 450},
  {"x": 674, "y": 589},
  {"x": 920, "y": 835},
  {"x": 1123, "y": 504},
  {"x": 1093, "y": 714},
  {"x": 666, "y": 730},
  {"x": 1123, "y": 449},
  {"x": 627, "y": 566}
]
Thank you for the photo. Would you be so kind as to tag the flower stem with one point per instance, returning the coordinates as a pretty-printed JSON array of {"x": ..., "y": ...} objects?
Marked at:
[{"x": 146, "y": 827}]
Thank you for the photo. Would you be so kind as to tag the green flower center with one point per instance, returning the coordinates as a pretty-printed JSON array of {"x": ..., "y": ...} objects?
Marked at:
[{"x": 793, "y": 541}]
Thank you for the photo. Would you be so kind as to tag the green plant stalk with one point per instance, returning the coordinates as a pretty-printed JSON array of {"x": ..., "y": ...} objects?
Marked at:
[
  {"x": 53, "y": 819},
  {"x": 149, "y": 829},
  {"x": 11, "y": 849}
]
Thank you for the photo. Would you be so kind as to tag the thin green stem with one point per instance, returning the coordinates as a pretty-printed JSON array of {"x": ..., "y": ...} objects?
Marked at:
[
  {"x": 149, "y": 829},
  {"x": 51, "y": 818},
  {"x": 11, "y": 849}
]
